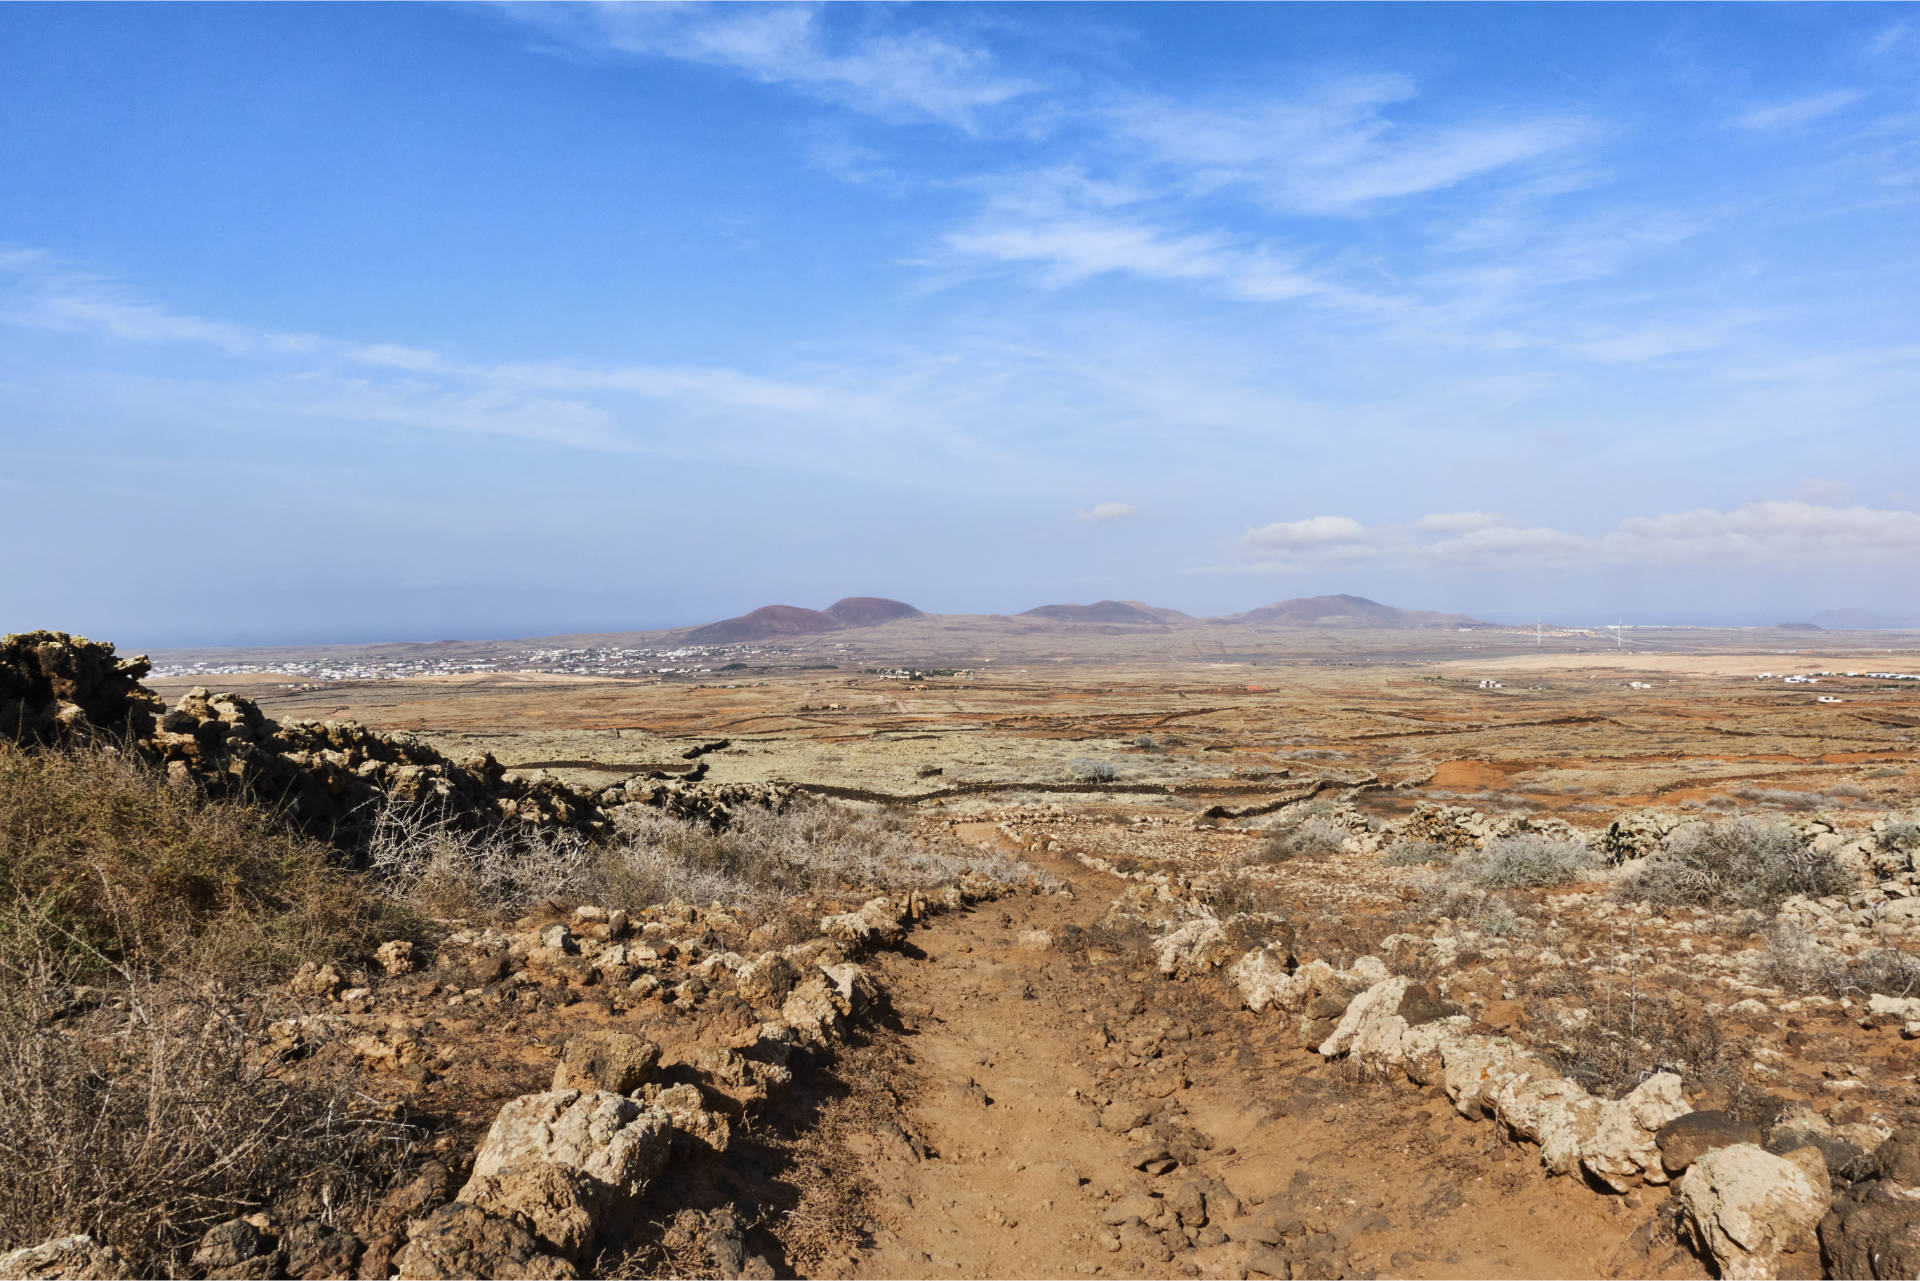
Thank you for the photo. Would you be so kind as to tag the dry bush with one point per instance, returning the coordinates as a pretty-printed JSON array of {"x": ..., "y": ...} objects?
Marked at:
[
  {"x": 100, "y": 847},
  {"x": 151, "y": 1117},
  {"x": 421, "y": 857},
  {"x": 1797, "y": 964},
  {"x": 1305, "y": 836},
  {"x": 1631, "y": 1034},
  {"x": 1407, "y": 852},
  {"x": 141, "y": 928},
  {"x": 1476, "y": 909},
  {"x": 1784, "y": 798},
  {"x": 1899, "y": 834},
  {"x": 1088, "y": 770},
  {"x": 1529, "y": 860},
  {"x": 764, "y": 858},
  {"x": 1736, "y": 863}
]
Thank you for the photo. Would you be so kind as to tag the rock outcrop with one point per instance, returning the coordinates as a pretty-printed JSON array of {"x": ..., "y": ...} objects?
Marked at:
[
  {"x": 1749, "y": 1208},
  {"x": 54, "y": 686},
  {"x": 332, "y": 778}
]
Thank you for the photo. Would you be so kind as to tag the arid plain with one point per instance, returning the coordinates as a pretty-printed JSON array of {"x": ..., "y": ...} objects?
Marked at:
[{"x": 1267, "y": 841}]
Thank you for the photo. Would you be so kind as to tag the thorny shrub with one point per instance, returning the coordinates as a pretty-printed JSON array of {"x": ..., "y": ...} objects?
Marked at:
[
  {"x": 763, "y": 859},
  {"x": 1736, "y": 863},
  {"x": 1311, "y": 836},
  {"x": 1608, "y": 1027},
  {"x": 1088, "y": 770},
  {"x": 140, "y": 927},
  {"x": 1528, "y": 860},
  {"x": 1408, "y": 852},
  {"x": 98, "y": 846},
  {"x": 1798, "y": 964},
  {"x": 151, "y": 1116}
]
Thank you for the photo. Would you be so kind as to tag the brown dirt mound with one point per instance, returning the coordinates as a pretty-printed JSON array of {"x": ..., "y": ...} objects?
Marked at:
[
  {"x": 1344, "y": 611},
  {"x": 870, "y": 611},
  {"x": 1107, "y": 611},
  {"x": 765, "y": 623}
]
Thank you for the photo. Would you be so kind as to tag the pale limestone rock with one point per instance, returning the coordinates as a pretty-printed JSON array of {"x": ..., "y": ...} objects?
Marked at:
[
  {"x": 1194, "y": 948},
  {"x": 1750, "y": 1207},
  {"x": 1372, "y": 1028},
  {"x": 605, "y": 1136}
]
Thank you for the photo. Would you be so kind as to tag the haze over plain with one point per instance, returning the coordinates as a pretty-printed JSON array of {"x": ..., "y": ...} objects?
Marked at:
[{"x": 328, "y": 324}]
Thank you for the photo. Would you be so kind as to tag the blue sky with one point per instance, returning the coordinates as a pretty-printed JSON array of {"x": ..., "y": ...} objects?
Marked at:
[{"x": 361, "y": 322}]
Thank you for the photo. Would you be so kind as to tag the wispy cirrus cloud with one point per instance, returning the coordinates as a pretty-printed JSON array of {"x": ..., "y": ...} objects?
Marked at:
[
  {"x": 1798, "y": 111},
  {"x": 1336, "y": 147},
  {"x": 865, "y": 60},
  {"x": 38, "y": 291}
]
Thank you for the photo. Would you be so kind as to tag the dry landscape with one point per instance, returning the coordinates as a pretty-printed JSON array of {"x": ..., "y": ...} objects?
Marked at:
[{"x": 1042, "y": 945}]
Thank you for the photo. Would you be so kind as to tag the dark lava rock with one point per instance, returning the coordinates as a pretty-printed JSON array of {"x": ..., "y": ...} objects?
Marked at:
[{"x": 1686, "y": 1139}]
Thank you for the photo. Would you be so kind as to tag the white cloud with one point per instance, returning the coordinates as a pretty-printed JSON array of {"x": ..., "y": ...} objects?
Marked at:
[
  {"x": 392, "y": 356},
  {"x": 1107, "y": 511},
  {"x": 1070, "y": 251},
  {"x": 1800, "y": 111},
  {"x": 1312, "y": 532},
  {"x": 1336, "y": 148},
  {"x": 1457, "y": 522},
  {"x": 37, "y": 291},
  {"x": 883, "y": 70},
  {"x": 1767, "y": 535}
]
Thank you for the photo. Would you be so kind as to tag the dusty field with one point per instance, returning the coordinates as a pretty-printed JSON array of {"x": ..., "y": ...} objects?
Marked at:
[
  {"x": 971, "y": 1133},
  {"x": 1566, "y": 733}
]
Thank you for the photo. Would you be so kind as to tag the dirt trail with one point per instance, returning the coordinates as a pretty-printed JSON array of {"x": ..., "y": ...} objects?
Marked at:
[{"x": 972, "y": 1145}]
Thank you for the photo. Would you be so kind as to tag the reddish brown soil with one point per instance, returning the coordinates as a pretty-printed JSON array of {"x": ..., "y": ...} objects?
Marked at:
[{"x": 999, "y": 1167}]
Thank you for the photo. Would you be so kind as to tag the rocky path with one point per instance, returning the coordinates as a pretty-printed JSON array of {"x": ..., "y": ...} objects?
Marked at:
[{"x": 1048, "y": 1109}]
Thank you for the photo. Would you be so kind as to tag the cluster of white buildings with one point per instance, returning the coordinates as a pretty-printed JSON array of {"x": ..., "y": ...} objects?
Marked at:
[
  {"x": 592, "y": 660},
  {"x": 1813, "y": 678}
]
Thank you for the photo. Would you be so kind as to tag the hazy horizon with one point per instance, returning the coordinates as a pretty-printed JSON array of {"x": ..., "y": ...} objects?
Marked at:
[{"x": 343, "y": 323}]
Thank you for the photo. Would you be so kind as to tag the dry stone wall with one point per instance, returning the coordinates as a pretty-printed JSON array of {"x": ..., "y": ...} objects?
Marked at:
[{"x": 330, "y": 777}]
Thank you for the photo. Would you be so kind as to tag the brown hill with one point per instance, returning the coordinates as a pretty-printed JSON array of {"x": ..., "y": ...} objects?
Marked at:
[
  {"x": 1108, "y": 611},
  {"x": 870, "y": 611},
  {"x": 1343, "y": 611},
  {"x": 764, "y": 623}
]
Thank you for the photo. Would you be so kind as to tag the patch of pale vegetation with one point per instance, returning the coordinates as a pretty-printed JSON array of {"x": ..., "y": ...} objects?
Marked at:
[
  {"x": 1738, "y": 863},
  {"x": 762, "y": 858}
]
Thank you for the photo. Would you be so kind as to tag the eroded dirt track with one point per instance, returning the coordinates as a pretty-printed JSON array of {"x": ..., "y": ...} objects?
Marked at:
[{"x": 987, "y": 1134}]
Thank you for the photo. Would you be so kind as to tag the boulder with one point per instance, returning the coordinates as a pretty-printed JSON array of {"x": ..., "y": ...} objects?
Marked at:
[
  {"x": 1898, "y": 1159},
  {"x": 63, "y": 1259},
  {"x": 616, "y": 1062},
  {"x": 1194, "y": 948},
  {"x": 1688, "y": 1137},
  {"x": 878, "y": 923},
  {"x": 462, "y": 1240},
  {"x": 607, "y": 1137},
  {"x": 316, "y": 1250},
  {"x": 1636, "y": 835},
  {"x": 54, "y": 686},
  {"x": 560, "y": 1205},
  {"x": 396, "y": 957},
  {"x": 685, "y": 1107},
  {"x": 237, "y": 1249},
  {"x": 1874, "y": 1232},
  {"x": 1749, "y": 1208}
]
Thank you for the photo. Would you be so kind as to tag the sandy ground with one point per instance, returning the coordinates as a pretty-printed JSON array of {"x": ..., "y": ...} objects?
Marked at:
[{"x": 972, "y": 1138}]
